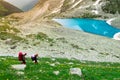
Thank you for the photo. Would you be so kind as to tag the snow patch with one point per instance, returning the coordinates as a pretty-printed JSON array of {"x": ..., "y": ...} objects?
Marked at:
[
  {"x": 95, "y": 11},
  {"x": 83, "y": 7},
  {"x": 116, "y": 36},
  {"x": 72, "y": 1},
  {"x": 110, "y": 21},
  {"x": 97, "y": 2},
  {"x": 58, "y": 8},
  {"x": 76, "y": 4}
]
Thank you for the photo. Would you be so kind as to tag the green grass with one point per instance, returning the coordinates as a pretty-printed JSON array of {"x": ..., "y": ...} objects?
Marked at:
[
  {"x": 41, "y": 37},
  {"x": 2, "y": 10},
  {"x": 6, "y": 27},
  {"x": 9, "y": 32},
  {"x": 44, "y": 71},
  {"x": 89, "y": 15},
  {"x": 13, "y": 37},
  {"x": 5, "y": 35}
]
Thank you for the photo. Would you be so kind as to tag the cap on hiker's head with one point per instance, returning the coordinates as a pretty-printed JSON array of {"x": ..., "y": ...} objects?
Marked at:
[
  {"x": 36, "y": 54},
  {"x": 25, "y": 53}
]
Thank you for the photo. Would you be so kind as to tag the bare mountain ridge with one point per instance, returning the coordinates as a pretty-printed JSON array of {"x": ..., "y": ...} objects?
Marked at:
[
  {"x": 71, "y": 8},
  {"x": 6, "y": 8},
  {"x": 42, "y": 9}
]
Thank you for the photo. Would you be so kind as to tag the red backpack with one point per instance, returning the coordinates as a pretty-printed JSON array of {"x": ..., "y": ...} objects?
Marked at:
[{"x": 20, "y": 56}]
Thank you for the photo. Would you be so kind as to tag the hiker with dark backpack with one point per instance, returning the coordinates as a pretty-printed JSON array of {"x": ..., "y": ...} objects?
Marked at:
[
  {"x": 21, "y": 57},
  {"x": 34, "y": 58}
]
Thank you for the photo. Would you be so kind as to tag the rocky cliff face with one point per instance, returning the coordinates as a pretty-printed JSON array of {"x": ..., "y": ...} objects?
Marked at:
[
  {"x": 103, "y": 9},
  {"x": 100, "y": 9},
  {"x": 91, "y": 8}
]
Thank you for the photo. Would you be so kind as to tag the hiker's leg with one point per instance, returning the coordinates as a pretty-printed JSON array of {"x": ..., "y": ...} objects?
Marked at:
[
  {"x": 35, "y": 60},
  {"x": 23, "y": 62}
]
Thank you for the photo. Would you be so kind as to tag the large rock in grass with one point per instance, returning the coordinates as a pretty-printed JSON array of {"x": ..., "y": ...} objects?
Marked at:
[
  {"x": 56, "y": 72},
  {"x": 19, "y": 66},
  {"x": 76, "y": 71}
]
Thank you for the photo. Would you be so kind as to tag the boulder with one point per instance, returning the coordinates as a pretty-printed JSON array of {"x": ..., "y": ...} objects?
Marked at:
[
  {"x": 76, "y": 71},
  {"x": 19, "y": 66},
  {"x": 56, "y": 72}
]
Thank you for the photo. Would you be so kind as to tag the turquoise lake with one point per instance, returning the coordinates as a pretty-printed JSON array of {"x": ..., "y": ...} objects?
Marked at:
[{"x": 98, "y": 27}]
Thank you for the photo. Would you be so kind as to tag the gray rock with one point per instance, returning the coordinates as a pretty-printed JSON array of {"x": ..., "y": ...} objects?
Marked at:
[
  {"x": 19, "y": 66},
  {"x": 52, "y": 64},
  {"x": 8, "y": 41},
  {"x": 56, "y": 72},
  {"x": 76, "y": 71},
  {"x": 13, "y": 47}
]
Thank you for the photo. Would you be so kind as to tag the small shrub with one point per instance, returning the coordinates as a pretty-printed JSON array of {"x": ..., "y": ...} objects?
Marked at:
[
  {"x": 92, "y": 48},
  {"x": 116, "y": 56},
  {"x": 90, "y": 15},
  {"x": 103, "y": 53},
  {"x": 51, "y": 44},
  {"x": 62, "y": 39},
  {"x": 50, "y": 40},
  {"x": 94, "y": 0},
  {"x": 75, "y": 46},
  {"x": 15, "y": 30},
  {"x": 36, "y": 43},
  {"x": 44, "y": 37},
  {"x": 5, "y": 27},
  {"x": 30, "y": 36},
  {"x": 41, "y": 36}
]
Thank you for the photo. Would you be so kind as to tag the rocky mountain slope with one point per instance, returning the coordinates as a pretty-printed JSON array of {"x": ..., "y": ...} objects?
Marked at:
[
  {"x": 37, "y": 32},
  {"x": 6, "y": 8},
  {"x": 102, "y": 9}
]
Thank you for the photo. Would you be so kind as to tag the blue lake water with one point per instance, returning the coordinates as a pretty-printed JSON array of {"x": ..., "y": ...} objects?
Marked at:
[{"x": 98, "y": 27}]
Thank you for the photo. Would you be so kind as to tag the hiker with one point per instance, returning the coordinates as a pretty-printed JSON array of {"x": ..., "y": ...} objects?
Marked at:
[
  {"x": 34, "y": 58},
  {"x": 21, "y": 57}
]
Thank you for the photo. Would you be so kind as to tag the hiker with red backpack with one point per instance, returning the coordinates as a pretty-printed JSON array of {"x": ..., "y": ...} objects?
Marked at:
[{"x": 21, "y": 57}]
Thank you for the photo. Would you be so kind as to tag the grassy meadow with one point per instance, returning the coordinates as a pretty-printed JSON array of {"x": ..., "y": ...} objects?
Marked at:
[{"x": 46, "y": 67}]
